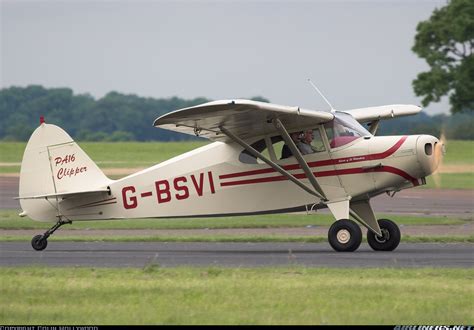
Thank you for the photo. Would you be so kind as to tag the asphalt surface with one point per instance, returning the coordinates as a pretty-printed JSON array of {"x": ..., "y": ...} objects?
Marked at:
[
  {"x": 97, "y": 254},
  {"x": 411, "y": 201}
]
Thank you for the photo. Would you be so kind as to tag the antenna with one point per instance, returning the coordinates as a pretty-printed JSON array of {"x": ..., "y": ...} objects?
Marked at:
[{"x": 319, "y": 92}]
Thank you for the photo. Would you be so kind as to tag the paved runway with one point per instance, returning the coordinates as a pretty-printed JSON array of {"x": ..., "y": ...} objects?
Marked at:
[
  {"x": 95, "y": 254},
  {"x": 410, "y": 201}
]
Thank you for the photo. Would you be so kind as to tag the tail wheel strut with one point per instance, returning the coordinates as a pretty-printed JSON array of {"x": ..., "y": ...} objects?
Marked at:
[{"x": 40, "y": 242}]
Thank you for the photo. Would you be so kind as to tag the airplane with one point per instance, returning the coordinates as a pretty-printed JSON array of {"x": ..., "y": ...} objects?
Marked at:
[{"x": 241, "y": 172}]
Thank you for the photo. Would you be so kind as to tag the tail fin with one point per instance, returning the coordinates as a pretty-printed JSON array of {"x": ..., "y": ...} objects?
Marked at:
[{"x": 53, "y": 164}]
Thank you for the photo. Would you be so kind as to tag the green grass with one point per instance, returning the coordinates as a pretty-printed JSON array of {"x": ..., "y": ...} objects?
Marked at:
[
  {"x": 228, "y": 239},
  {"x": 459, "y": 152},
  {"x": 109, "y": 154},
  {"x": 451, "y": 181},
  {"x": 210, "y": 295},
  {"x": 9, "y": 219},
  {"x": 11, "y": 152}
]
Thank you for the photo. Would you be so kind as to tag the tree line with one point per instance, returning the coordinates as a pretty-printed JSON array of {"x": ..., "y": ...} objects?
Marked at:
[{"x": 120, "y": 117}]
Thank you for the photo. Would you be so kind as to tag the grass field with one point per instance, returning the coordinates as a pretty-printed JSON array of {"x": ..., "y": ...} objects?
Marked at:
[
  {"x": 289, "y": 295},
  {"x": 9, "y": 219},
  {"x": 451, "y": 181},
  {"x": 459, "y": 152}
]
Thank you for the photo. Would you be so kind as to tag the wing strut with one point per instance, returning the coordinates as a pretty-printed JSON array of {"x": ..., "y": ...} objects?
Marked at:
[
  {"x": 309, "y": 174},
  {"x": 275, "y": 166}
]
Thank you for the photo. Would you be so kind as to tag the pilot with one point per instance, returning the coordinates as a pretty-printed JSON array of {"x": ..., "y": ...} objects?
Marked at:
[
  {"x": 286, "y": 151},
  {"x": 305, "y": 144}
]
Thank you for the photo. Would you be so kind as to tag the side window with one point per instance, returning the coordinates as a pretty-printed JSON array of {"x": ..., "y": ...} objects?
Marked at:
[
  {"x": 261, "y": 146},
  {"x": 246, "y": 158},
  {"x": 307, "y": 142},
  {"x": 314, "y": 140},
  {"x": 278, "y": 147},
  {"x": 276, "y": 144}
]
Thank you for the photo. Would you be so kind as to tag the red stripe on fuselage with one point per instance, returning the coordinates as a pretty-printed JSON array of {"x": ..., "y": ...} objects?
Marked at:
[
  {"x": 399, "y": 172},
  {"x": 337, "y": 161},
  {"x": 347, "y": 171}
]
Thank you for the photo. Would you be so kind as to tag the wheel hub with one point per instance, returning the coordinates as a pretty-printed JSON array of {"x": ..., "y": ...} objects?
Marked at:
[
  {"x": 343, "y": 236},
  {"x": 385, "y": 236}
]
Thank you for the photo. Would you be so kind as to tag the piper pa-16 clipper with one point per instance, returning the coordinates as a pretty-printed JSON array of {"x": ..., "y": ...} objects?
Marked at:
[{"x": 242, "y": 172}]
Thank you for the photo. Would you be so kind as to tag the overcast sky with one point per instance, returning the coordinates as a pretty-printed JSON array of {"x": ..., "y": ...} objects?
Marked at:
[{"x": 357, "y": 52}]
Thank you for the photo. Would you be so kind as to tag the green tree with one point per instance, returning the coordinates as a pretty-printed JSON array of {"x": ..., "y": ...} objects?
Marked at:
[{"x": 446, "y": 42}]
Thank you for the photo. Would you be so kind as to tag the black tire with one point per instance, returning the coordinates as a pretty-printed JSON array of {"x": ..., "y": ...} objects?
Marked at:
[
  {"x": 344, "y": 236},
  {"x": 39, "y": 243},
  {"x": 390, "y": 239}
]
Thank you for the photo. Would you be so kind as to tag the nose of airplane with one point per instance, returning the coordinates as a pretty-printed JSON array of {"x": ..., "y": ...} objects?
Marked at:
[{"x": 429, "y": 152}]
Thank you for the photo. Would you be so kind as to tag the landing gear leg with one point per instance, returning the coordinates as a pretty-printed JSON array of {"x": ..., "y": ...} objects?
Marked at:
[{"x": 40, "y": 242}]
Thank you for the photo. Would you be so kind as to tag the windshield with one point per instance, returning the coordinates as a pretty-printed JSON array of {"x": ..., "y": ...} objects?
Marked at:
[{"x": 344, "y": 129}]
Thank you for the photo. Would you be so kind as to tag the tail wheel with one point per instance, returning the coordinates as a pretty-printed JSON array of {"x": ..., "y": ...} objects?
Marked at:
[
  {"x": 390, "y": 236},
  {"x": 39, "y": 243},
  {"x": 345, "y": 236}
]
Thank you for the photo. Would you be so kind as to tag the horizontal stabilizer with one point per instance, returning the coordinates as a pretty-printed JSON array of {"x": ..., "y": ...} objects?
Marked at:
[{"x": 66, "y": 194}]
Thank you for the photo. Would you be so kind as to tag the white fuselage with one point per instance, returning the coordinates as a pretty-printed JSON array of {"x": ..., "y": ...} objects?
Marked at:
[{"x": 211, "y": 181}]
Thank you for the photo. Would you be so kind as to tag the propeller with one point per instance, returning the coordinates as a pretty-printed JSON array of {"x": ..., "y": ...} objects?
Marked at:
[{"x": 439, "y": 152}]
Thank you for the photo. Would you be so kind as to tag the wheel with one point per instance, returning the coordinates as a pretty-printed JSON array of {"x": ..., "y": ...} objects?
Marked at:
[
  {"x": 39, "y": 243},
  {"x": 345, "y": 235},
  {"x": 390, "y": 236}
]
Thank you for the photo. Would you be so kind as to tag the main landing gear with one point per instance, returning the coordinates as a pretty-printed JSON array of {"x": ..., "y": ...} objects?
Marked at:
[
  {"x": 390, "y": 236},
  {"x": 40, "y": 242},
  {"x": 345, "y": 236}
]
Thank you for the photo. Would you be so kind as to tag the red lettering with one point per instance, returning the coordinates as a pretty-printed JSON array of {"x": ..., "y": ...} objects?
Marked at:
[
  {"x": 211, "y": 182},
  {"x": 131, "y": 202},
  {"x": 65, "y": 160},
  {"x": 182, "y": 189},
  {"x": 165, "y": 191},
  {"x": 199, "y": 187},
  {"x": 69, "y": 172}
]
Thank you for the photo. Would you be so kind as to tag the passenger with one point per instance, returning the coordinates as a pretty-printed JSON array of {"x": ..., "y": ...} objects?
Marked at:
[{"x": 286, "y": 151}]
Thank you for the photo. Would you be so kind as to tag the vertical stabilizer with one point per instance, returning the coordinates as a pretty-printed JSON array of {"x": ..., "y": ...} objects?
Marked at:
[{"x": 52, "y": 164}]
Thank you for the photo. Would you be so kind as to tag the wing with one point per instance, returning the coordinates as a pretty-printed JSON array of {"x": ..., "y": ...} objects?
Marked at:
[
  {"x": 245, "y": 118},
  {"x": 383, "y": 112}
]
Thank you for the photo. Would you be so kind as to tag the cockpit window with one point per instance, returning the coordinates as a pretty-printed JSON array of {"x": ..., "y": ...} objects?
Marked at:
[{"x": 344, "y": 129}]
